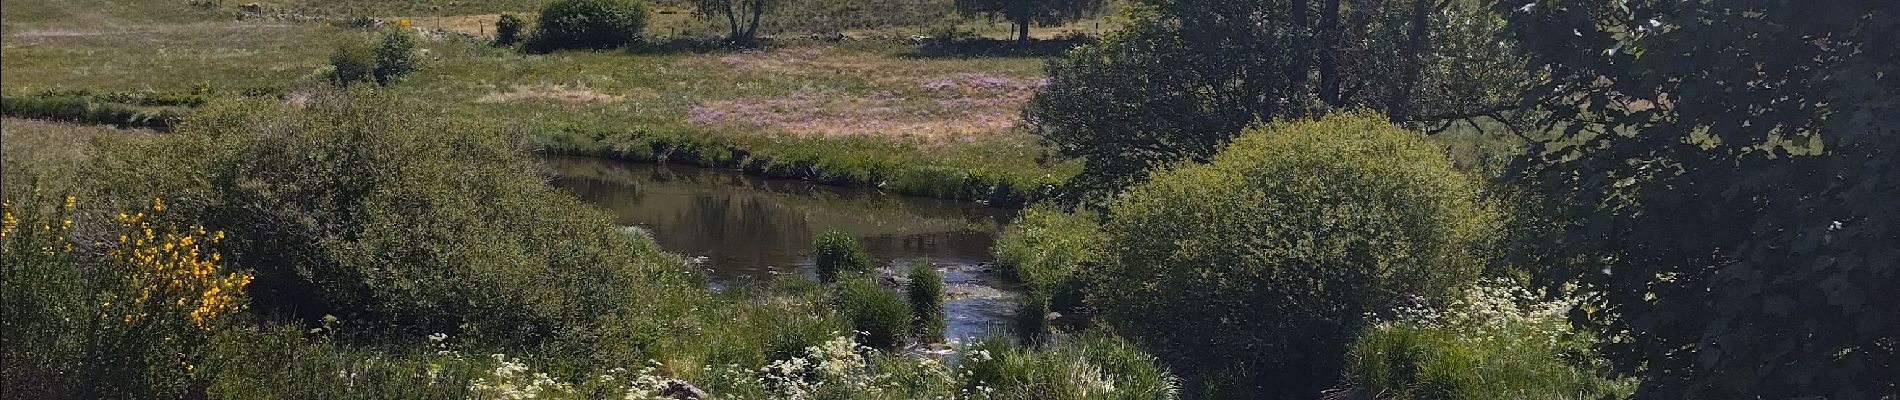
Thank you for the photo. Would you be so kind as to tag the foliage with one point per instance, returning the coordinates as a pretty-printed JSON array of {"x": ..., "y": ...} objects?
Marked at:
[
  {"x": 588, "y": 24},
  {"x": 1183, "y": 77},
  {"x": 925, "y": 291},
  {"x": 352, "y": 63},
  {"x": 1030, "y": 322},
  {"x": 1499, "y": 341},
  {"x": 1052, "y": 251},
  {"x": 128, "y": 323},
  {"x": 1025, "y": 12},
  {"x": 1251, "y": 274},
  {"x": 879, "y": 315},
  {"x": 508, "y": 29},
  {"x": 838, "y": 255},
  {"x": 1728, "y": 169},
  {"x": 1093, "y": 365},
  {"x": 395, "y": 56},
  {"x": 355, "y": 208}
]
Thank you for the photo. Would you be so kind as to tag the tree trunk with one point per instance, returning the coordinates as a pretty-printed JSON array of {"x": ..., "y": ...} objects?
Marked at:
[
  {"x": 1022, "y": 30},
  {"x": 1301, "y": 43},
  {"x": 1329, "y": 44},
  {"x": 1400, "y": 108},
  {"x": 732, "y": 21},
  {"x": 752, "y": 30}
]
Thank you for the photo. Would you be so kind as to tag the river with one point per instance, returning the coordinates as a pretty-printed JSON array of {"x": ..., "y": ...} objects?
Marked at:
[{"x": 746, "y": 228}]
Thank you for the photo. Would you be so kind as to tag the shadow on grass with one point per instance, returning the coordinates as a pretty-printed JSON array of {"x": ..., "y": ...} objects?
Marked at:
[{"x": 987, "y": 47}]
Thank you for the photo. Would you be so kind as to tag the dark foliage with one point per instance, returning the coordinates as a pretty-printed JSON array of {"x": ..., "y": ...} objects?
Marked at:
[{"x": 1731, "y": 170}]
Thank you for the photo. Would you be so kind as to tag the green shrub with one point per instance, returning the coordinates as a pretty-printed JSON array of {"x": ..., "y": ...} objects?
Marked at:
[
  {"x": 588, "y": 24},
  {"x": 125, "y": 315},
  {"x": 352, "y": 63},
  {"x": 395, "y": 56},
  {"x": 837, "y": 253},
  {"x": 354, "y": 207},
  {"x": 877, "y": 313},
  {"x": 1052, "y": 251},
  {"x": 508, "y": 30},
  {"x": 1254, "y": 272},
  {"x": 1093, "y": 365},
  {"x": 1498, "y": 342},
  {"x": 1031, "y": 322},
  {"x": 926, "y": 301}
]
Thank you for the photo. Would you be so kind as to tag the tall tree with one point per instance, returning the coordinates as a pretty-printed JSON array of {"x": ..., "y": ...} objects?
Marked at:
[
  {"x": 1186, "y": 75},
  {"x": 1732, "y": 170},
  {"x": 1023, "y": 13},
  {"x": 742, "y": 16}
]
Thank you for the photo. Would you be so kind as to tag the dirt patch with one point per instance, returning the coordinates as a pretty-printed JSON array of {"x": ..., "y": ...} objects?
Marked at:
[{"x": 556, "y": 93}]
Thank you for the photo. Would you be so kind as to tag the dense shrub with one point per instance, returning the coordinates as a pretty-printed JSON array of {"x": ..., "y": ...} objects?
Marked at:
[
  {"x": 1251, "y": 274},
  {"x": 588, "y": 24},
  {"x": 1030, "y": 322},
  {"x": 1093, "y": 365},
  {"x": 1052, "y": 251},
  {"x": 925, "y": 290},
  {"x": 356, "y": 208},
  {"x": 836, "y": 254},
  {"x": 1497, "y": 342},
  {"x": 395, "y": 56},
  {"x": 877, "y": 313},
  {"x": 125, "y": 315},
  {"x": 352, "y": 63},
  {"x": 508, "y": 30}
]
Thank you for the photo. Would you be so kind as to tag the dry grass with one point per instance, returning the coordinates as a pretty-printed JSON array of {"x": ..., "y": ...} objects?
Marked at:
[{"x": 556, "y": 93}]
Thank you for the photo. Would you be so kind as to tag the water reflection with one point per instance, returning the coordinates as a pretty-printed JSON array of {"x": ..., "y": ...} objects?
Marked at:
[{"x": 750, "y": 228}]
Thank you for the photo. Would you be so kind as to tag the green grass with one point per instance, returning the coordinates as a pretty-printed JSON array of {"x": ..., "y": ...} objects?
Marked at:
[{"x": 858, "y": 113}]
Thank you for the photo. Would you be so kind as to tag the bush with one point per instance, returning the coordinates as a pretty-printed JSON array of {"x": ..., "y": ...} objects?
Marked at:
[
  {"x": 395, "y": 56},
  {"x": 126, "y": 316},
  {"x": 1031, "y": 321},
  {"x": 357, "y": 208},
  {"x": 926, "y": 301},
  {"x": 1052, "y": 251},
  {"x": 877, "y": 313},
  {"x": 1498, "y": 342},
  {"x": 1254, "y": 272},
  {"x": 589, "y": 24},
  {"x": 352, "y": 63},
  {"x": 837, "y": 253},
  {"x": 508, "y": 30},
  {"x": 1093, "y": 365}
]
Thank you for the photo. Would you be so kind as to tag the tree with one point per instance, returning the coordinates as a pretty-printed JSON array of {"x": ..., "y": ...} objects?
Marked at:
[
  {"x": 1251, "y": 275},
  {"x": 1025, "y": 12},
  {"x": 508, "y": 29},
  {"x": 1730, "y": 168},
  {"x": 1185, "y": 76},
  {"x": 737, "y": 11}
]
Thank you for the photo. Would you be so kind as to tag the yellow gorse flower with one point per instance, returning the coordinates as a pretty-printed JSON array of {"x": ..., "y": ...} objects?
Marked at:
[{"x": 175, "y": 273}]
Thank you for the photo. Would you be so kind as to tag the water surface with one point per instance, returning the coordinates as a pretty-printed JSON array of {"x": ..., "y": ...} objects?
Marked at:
[{"x": 748, "y": 228}]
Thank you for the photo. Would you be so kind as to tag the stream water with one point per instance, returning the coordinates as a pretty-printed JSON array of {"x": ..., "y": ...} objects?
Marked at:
[{"x": 747, "y": 228}]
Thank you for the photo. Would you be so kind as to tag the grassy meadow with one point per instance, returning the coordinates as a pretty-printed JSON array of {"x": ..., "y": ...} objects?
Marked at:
[{"x": 849, "y": 112}]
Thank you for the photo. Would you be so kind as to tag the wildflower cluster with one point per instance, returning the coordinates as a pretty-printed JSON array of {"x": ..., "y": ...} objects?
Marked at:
[
  {"x": 173, "y": 273},
  {"x": 1498, "y": 307}
]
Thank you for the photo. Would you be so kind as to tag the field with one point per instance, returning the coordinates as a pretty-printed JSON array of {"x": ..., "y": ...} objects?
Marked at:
[{"x": 873, "y": 98}]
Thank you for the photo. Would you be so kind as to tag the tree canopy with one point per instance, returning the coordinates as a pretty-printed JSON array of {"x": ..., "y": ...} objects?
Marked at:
[
  {"x": 1730, "y": 166},
  {"x": 1184, "y": 76}
]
